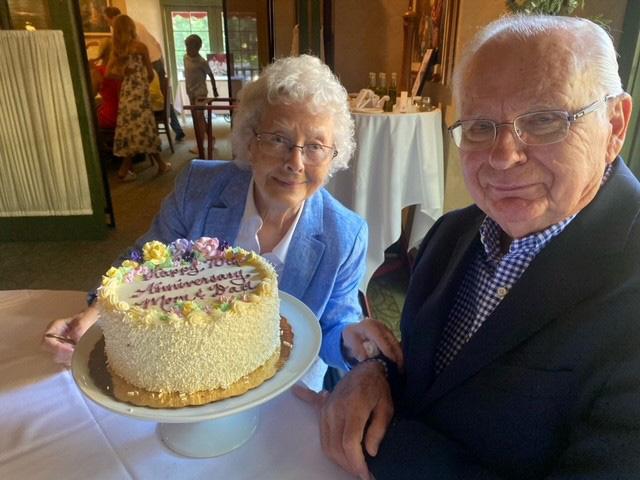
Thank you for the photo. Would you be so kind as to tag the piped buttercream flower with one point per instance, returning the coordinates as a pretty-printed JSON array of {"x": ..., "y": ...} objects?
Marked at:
[
  {"x": 181, "y": 248},
  {"x": 188, "y": 307},
  {"x": 136, "y": 255},
  {"x": 112, "y": 272},
  {"x": 207, "y": 246},
  {"x": 130, "y": 264},
  {"x": 156, "y": 252},
  {"x": 143, "y": 271}
]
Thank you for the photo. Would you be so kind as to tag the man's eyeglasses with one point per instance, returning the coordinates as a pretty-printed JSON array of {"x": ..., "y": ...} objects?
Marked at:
[
  {"x": 277, "y": 146},
  {"x": 533, "y": 128}
]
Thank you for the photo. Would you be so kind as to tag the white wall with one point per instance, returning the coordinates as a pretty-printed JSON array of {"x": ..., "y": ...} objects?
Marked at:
[
  {"x": 368, "y": 38},
  {"x": 148, "y": 13}
]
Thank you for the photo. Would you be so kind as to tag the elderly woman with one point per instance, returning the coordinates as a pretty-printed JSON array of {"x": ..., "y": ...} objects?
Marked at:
[{"x": 292, "y": 130}]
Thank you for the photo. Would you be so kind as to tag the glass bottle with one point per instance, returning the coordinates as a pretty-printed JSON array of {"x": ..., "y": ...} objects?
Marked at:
[
  {"x": 393, "y": 93},
  {"x": 372, "y": 81},
  {"x": 381, "y": 91}
]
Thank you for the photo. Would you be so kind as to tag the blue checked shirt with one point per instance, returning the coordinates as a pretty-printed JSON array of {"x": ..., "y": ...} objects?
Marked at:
[{"x": 488, "y": 280}]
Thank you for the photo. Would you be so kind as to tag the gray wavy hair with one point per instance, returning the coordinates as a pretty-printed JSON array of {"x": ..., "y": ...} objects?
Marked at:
[
  {"x": 294, "y": 80},
  {"x": 594, "y": 58}
]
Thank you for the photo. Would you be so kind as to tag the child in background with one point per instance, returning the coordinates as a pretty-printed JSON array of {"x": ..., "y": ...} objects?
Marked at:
[{"x": 196, "y": 70}]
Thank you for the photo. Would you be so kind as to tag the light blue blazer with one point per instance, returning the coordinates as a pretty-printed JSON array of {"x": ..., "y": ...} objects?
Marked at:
[{"x": 326, "y": 257}]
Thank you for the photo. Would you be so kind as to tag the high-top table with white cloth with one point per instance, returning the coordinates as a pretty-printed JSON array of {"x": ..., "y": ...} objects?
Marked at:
[
  {"x": 398, "y": 162},
  {"x": 50, "y": 430}
]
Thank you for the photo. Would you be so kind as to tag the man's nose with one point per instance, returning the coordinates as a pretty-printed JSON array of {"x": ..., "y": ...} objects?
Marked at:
[{"x": 507, "y": 150}]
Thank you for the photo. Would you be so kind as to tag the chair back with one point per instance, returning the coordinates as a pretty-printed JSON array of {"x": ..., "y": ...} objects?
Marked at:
[
  {"x": 166, "y": 93},
  {"x": 204, "y": 127},
  {"x": 162, "y": 116}
]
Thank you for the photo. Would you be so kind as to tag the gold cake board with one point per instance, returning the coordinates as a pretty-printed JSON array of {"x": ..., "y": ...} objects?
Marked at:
[{"x": 124, "y": 391}]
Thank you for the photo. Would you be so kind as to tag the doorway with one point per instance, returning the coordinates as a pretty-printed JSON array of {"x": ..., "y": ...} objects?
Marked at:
[{"x": 236, "y": 45}]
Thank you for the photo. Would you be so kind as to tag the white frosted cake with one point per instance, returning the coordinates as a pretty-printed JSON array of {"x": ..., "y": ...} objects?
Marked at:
[{"x": 189, "y": 316}]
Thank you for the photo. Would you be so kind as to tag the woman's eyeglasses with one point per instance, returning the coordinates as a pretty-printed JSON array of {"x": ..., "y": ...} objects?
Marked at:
[{"x": 277, "y": 146}]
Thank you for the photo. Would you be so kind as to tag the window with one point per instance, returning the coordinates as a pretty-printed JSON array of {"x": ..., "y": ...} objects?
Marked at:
[
  {"x": 185, "y": 24},
  {"x": 243, "y": 44}
]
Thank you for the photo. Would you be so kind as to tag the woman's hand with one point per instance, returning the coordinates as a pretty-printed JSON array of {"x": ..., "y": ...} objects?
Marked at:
[
  {"x": 71, "y": 328},
  {"x": 369, "y": 338},
  {"x": 356, "y": 413}
]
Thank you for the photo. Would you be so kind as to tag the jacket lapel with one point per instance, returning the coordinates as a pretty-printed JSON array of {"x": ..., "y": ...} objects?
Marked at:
[
  {"x": 226, "y": 210},
  {"x": 304, "y": 249},
  {"x": 423, "y": 338},
  {"x": 567, "y": 271}
]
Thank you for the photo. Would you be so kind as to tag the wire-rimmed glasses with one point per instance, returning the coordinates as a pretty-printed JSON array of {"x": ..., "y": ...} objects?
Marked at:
[
  {"x": 277, "y": 146},
  {"x": 533, "y": 128}
]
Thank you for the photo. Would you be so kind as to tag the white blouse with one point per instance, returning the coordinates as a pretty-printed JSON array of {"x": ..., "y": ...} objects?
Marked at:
[{"x": 251, "y": 224}]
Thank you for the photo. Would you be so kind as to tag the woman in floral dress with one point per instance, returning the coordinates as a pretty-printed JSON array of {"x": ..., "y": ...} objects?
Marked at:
[{"x": 136, "y": 127}]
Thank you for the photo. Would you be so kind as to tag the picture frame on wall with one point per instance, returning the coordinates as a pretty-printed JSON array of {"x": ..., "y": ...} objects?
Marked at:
[
  {"x": 421, "y": 73},
  {"x": 430, "y": 31},
  {"x": 444, "y": 17},
  {"x": 93, "y": 21}
]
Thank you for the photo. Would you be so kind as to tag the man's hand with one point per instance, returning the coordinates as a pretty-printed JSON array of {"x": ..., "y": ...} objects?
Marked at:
[
  {"x": 361, "y": 398},
  {"x": 71, "y": 328},
  {"x": 369, "y": 338}
]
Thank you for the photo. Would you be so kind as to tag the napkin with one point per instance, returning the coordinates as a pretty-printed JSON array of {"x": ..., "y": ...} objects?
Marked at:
[
  {"x": 366, "y": 99},
  {"x": 380, "y": 103}
]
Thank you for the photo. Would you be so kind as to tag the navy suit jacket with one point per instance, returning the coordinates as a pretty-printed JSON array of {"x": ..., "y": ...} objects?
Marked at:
[
  {"x": 326, "y": 257},
  {"x": 549, "y": 386}
]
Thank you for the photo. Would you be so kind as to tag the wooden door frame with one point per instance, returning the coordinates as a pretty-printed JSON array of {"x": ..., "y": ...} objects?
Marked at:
[{"x": 215, "y": 37}]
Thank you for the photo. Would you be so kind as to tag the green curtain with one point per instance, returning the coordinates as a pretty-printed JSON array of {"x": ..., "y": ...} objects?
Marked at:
[
  {"x": 631, "y": 150},
  {"x": 630, "y": 72}
]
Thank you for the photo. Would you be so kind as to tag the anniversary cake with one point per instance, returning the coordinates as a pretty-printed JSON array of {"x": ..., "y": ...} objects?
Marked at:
[{"x": 190, "y": 317}]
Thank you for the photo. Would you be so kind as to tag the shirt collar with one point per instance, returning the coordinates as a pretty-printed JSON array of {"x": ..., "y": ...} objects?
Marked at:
[
  {"x": 532, "y": 244},
  {"x": 251, "y": 224}
]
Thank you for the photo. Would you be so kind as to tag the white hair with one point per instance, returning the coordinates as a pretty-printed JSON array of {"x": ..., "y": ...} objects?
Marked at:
[
  {"x": 295, "y": 80},
  {"x": 593, "y": 51}
]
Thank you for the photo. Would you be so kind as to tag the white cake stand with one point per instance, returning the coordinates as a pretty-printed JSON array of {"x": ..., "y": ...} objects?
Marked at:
[{"x": 219, "y": 427}]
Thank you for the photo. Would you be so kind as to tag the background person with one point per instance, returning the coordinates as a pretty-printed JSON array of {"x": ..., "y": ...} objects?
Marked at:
[
  {"x": 155, "y": 57},
  {"x": 135, "y": 126},
  {"x": 107, "y": 87},
  {"x": 196, "y": 71},
  {"x": 520, "y": 329},
  {"x": 292, "y": 129}
]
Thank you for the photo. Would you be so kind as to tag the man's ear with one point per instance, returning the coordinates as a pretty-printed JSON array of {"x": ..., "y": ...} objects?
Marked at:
[{"x": 619, "y": 116}]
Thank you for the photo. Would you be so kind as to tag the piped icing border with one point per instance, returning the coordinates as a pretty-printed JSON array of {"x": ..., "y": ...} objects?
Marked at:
[{"x": 157, "y": 258}]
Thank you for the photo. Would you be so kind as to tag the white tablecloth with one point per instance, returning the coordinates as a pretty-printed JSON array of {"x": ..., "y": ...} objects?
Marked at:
[
  {"x": 398, "y": 162},
  {"x": 50, "y": 430}
]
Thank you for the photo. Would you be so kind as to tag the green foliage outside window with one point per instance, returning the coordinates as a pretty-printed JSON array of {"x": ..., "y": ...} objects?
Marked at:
[
  {"x": 546, "y": 7},
  {"x": 552, "y": 7}
]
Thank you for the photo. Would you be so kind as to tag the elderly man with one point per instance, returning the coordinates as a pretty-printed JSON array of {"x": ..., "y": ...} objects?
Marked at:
[{"x": 521, "y": 327}]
